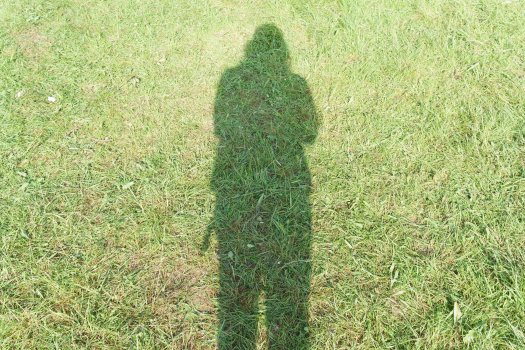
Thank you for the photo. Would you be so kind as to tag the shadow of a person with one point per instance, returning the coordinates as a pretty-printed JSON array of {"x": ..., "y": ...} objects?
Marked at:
[{"x": 264, "y": 115}]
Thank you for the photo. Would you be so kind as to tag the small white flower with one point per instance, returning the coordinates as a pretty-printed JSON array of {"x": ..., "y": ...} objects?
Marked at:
[
  {"x": 51, "y": 99},
  {"x": 19, "y": 94}
]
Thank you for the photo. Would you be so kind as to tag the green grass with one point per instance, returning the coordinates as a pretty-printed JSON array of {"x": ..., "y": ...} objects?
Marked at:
[{"x": 416, "y": 164}]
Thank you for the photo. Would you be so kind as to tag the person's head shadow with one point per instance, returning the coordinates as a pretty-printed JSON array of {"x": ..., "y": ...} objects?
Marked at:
[
  {"x": 267, "y": 50},
  {"x": 263, "y": 116}
]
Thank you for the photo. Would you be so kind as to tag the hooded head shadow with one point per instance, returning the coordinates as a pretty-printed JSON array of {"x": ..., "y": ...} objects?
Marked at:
[
  {"x": 268, "y": 47},
  {"x": 264, "y": 115}
]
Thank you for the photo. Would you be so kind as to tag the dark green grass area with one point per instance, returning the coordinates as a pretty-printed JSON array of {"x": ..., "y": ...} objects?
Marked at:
[
  {"x": 177, "y": 175},
  {"x": 264, "y": 115}
]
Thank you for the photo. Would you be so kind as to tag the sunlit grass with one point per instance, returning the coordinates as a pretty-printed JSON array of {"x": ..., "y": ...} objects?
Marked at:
[{"x": 418, "y": 170}]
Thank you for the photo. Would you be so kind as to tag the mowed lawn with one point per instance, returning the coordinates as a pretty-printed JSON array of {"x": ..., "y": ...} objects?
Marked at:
[{"x": 108, "y": 146}]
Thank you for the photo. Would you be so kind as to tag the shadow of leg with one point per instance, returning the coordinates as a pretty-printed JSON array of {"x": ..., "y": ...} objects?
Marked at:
[
  {"x": 238, "y": 308},
  {"x": 287, "y": 307}
]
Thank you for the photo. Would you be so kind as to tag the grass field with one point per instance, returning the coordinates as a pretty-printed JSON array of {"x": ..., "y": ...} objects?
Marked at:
[{"x": 115, "y": 174}]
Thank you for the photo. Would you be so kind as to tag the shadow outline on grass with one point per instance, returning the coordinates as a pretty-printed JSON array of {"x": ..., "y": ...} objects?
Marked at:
[{"x": 264, "y": 115}]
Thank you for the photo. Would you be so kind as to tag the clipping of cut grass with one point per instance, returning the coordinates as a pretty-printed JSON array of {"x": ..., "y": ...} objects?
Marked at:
[{"x": 108, "y": 147}]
